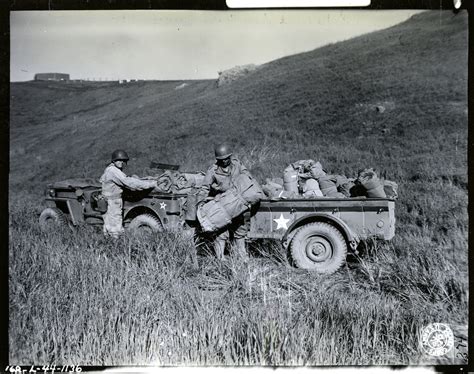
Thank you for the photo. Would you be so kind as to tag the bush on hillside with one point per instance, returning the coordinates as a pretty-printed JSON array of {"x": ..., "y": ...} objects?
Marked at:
[{"x": 230, "y": 75}]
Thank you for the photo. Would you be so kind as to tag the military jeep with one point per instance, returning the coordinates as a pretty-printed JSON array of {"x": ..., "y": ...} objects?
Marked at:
[
  {"x": 317, "y": 233},
  {"x": 73, "y": 202}
]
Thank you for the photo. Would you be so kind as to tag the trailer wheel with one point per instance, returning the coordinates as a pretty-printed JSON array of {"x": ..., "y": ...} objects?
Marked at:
[
  {"x": 318, "y": 246},
  {"x": 52, "y": 219},
  {"x": 145, "y": 224}
]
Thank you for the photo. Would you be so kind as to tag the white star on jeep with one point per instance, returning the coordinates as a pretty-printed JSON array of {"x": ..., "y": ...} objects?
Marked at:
[
  {"x": 163, "y": 205},
  {"x": 282, "y": 222}
]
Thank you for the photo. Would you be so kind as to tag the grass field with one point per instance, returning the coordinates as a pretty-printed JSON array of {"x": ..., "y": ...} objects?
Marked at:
[{"x": 76, "y": 298}]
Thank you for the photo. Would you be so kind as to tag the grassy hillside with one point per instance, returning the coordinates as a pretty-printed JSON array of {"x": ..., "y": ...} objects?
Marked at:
[
  {"x": 317, "y": 104},
  {"x": 320, "y": 104}
]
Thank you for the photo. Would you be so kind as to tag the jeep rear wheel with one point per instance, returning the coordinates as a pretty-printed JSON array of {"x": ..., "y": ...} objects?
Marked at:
[
  {"x": 145, "y": 224},
  {"x": 318, "y": 246},
  {"x": 52, "y": 219}
]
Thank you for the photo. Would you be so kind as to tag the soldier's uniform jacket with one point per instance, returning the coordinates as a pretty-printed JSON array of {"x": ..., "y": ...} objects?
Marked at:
[
  {"x": 114, "y": 180},
  {"x": 219, "y": 179}
]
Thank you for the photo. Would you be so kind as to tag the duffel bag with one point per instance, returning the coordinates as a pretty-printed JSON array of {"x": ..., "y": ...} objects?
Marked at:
[
  {"x": 220, "y": 211},
  {"x": 272, "y": 190},
  {"x": 311, "y": 188},
  {"x": 212, "y": 216},
  {"x": 370, "y": 181},
  {"x": 391, "y": 189},
  {"x": 327, "y": 184},
  {"x": 377, "y": 192},
  {"x": 276, "y": 182},
  {"x": 317, "y": 171},
  {"x": 340, "y": 180},
  {"x": 290, "y": 179},
  {"x": 194, "y": 179},
  {"x": 248, "y": 188}
]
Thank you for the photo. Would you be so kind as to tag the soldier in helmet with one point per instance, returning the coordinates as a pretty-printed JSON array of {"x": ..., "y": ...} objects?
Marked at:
[
  {"x": 219, "y": 179},
  {"x": 113, "y": 182}
]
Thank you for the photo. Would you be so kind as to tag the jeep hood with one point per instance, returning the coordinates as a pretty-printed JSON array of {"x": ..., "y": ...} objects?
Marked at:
[{"x": 77, "y": 183}]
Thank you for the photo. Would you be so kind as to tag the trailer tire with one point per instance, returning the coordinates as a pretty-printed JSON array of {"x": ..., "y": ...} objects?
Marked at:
[
  {"x": 145, "y": 224},
  {"x": 318, "y": 246},
  {"x": 52, "y": 219}
]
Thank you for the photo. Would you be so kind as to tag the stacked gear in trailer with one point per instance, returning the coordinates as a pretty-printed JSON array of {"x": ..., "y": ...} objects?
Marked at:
[
  {"x": 176, "y": 182},
  {"x": 307, "y": 179}
]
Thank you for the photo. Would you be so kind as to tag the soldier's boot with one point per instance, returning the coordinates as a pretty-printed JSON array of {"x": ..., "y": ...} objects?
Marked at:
[
  {"x": 241, "y": 251},
  {"x": 219, "y": 246}
]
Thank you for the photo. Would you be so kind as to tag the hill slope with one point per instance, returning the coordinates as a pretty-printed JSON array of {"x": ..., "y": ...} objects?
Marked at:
[{"x": 318, "y": 104}]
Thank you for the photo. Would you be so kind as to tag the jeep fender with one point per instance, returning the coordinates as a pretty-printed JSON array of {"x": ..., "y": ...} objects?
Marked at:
[
  {"x": 136, "y": 210},
  {"x": 351, "y": 238}
]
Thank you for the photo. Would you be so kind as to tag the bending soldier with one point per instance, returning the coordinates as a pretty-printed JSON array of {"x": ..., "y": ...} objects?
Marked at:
[
  {"x": 113, "y": 182},
  {"x": 218, "y": 179}
]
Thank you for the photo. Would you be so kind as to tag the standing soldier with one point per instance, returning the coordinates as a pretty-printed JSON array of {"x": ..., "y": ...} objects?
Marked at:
[
  {"x": 113, "y": 181},
  {"x": 219, "y": 178}
]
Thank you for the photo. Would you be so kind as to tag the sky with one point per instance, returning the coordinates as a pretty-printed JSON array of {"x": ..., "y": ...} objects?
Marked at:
[{"x": 174, "y": 45}]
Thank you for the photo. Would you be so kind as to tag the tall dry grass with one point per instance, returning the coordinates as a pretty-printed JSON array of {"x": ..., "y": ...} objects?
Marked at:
[{"x": 76, "y": 297}]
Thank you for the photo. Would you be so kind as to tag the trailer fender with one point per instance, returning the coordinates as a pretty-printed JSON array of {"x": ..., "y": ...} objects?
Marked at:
[{"x": 351, "y": 238}]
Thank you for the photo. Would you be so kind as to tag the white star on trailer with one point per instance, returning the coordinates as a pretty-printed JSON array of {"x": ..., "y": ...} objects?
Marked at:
[
  {"x": 163, "y": 205},
  {"x": 282, "y": 222}
]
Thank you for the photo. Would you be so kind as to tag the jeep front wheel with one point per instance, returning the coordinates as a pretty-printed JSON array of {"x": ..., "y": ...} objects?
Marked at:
[
  {"x": 52, "y": 219},
  {"x": 145, "y": 224},
  {"x": 318, "y": 246}
]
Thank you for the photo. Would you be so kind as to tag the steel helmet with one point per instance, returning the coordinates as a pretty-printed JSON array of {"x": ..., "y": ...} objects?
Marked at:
[
  {"x": 222, "y": 151},
  {"x": 119, "y": 155}
]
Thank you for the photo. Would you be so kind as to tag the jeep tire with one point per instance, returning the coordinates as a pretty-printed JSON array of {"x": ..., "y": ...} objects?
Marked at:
[
  {"x": 52, "y": 219},
  {"x": 145, "y": 224},
  {"x": 318, "y": 246}
]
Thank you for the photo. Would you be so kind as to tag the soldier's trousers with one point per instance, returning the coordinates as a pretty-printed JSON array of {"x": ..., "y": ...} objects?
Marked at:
[
  {"x": 113, "y": 218},
  {"x": 235, "y": 232}
]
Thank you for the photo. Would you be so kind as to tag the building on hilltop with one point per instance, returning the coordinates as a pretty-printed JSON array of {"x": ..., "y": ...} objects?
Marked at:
[{"x": 51, "y": 77}]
